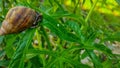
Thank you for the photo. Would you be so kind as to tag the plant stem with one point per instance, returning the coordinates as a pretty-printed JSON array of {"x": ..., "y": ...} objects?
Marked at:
[
  {"x": 76, "y": 6},
  {"x": 40, "y": 47},
  {"x": 46, "y": 38},
  {"x": 90, "y": 12}
]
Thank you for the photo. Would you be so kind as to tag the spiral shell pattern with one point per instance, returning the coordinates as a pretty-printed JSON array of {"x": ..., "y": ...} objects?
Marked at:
[{"x": 18, "y": 19}]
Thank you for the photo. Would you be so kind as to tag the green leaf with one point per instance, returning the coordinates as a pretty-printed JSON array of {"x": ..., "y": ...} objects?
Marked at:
[
  {"x": 113, "y": 37},
  {"x": 10, "y": 43},
  {"x": 75, "y": 63},
  {"x": 4, "y": 63},
  {"x": 95, "y": 59},
  {"x": 19, "y": 53},
  {"x": 59, "y": 29},
  {"x": 76, "y": 28},
  {"x": 37, "y": 52},
  {"x": 2, "y": 53},
  {"x": 118, "y": 1},
  {"x": 1, "y": 39},
  {"x": 61, "y": 14},
  {"x": 103, "y": 48},
  {"x": 107, "y": 63}
]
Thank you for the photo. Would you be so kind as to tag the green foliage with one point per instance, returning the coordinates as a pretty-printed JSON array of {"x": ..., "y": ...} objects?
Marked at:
[
  {"x": 118, "y": 1},
  {"x": 66, "y": 36}
]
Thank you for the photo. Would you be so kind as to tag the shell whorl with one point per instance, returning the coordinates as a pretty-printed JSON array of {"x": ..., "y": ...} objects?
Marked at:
[
  {"x": 2, "y": 31},
  {"x": 5, "y": 28},
  {"x": 18, "y": 19}
]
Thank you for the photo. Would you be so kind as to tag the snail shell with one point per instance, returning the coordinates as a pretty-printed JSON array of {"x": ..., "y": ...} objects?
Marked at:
[{"x": 18, "y": 19}]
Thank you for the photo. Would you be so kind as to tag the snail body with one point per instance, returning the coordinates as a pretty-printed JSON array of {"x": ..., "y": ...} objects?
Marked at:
[{"x": 18, "y": 19}]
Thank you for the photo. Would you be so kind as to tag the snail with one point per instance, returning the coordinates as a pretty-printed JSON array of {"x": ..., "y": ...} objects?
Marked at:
[{"x": 18, "y": 19}]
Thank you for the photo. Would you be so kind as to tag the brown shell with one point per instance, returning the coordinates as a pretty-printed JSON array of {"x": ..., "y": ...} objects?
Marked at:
[{"x": 18, "y": 19}]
